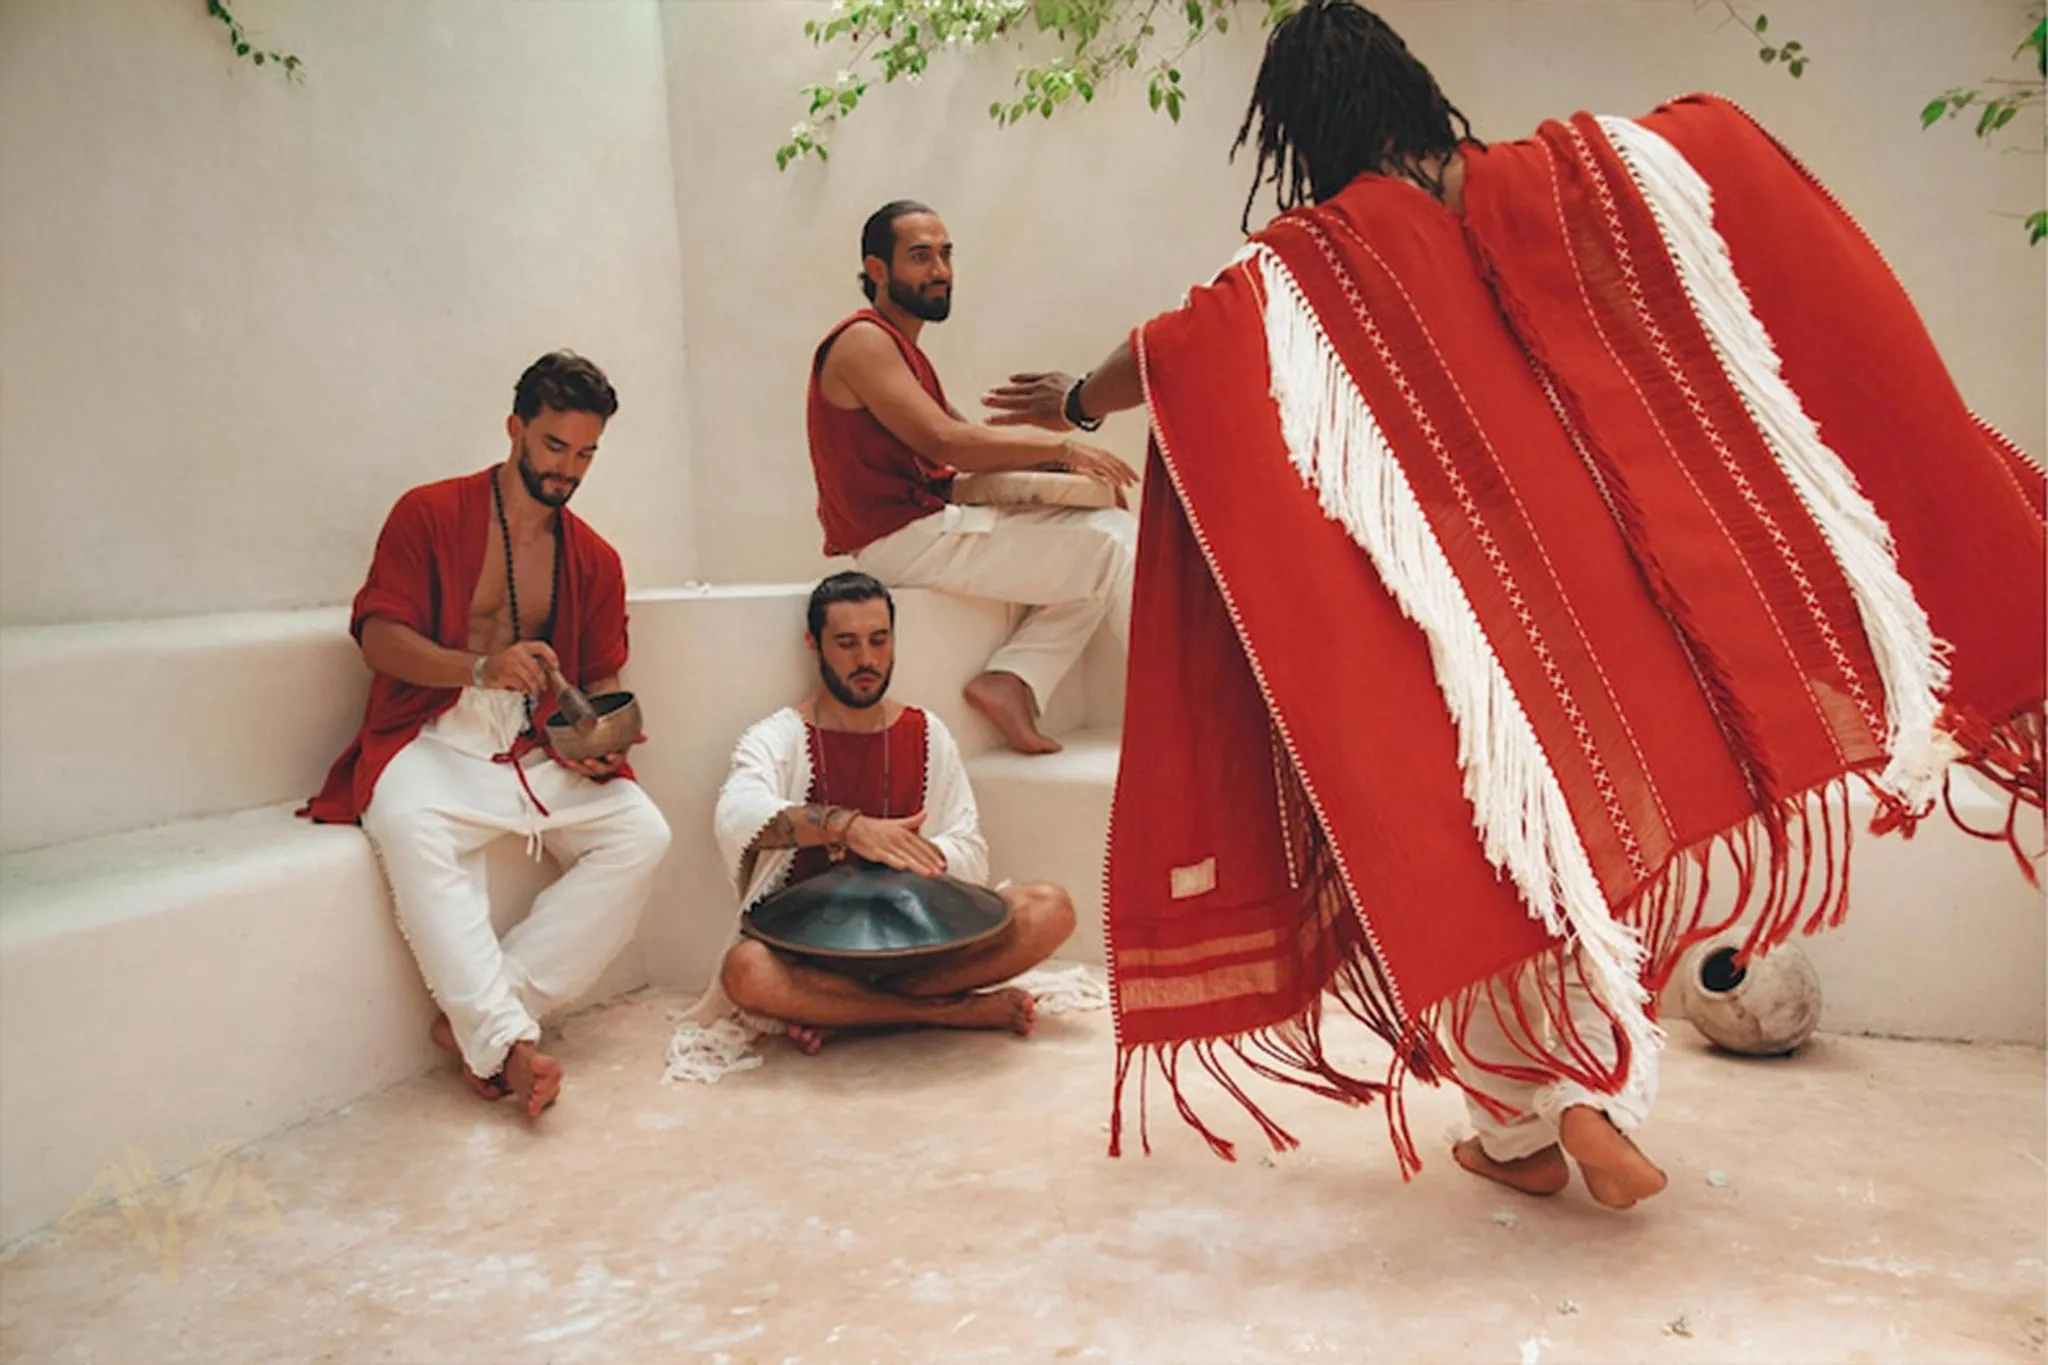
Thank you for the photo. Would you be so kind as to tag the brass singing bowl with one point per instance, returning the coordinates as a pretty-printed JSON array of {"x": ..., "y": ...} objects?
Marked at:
[
  {"x": 618, "y": 726},
  {"x": 859, "y": 915}
]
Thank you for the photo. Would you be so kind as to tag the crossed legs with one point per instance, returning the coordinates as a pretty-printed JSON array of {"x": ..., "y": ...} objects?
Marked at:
[{"x": 947, "y": 993}]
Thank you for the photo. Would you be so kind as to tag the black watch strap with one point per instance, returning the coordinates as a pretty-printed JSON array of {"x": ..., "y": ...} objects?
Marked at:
[{"x": 1072, "y": 409}]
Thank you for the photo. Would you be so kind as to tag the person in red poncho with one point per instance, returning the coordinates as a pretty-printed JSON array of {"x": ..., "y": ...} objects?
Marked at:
[
  {"x": 480, "y": 585},
  {"x": 1526, "y": 524}
]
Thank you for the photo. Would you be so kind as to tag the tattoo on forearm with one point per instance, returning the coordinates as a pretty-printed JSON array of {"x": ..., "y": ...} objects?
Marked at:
[
  {"x": 788, "y": 827},
  {"x": 779, "y": 833}
]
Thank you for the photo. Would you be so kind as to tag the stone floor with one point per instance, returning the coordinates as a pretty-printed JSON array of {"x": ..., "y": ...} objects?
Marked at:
[{"x": 947, "y": 1198}]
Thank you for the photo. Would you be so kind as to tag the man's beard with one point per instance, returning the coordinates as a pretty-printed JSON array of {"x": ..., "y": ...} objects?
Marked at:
[
  {"x": 844, "y": 694},
  {"x": 929, "y": 308},
  {"x": 536, "y": 488}
]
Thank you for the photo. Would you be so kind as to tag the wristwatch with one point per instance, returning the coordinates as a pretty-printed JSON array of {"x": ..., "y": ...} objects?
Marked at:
[
  {"x": 476, "y": 670},
  {"x": 1073, "y": 412}
]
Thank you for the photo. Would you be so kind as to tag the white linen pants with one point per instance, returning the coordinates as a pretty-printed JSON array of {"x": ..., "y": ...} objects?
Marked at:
[
  {"x": 1069, "y": 566},
  {"x": 441, "y": 801},
  {"x": 1541, "y": 1104}
]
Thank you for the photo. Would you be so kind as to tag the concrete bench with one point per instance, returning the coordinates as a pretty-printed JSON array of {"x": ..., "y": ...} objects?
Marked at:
[{"x": 183, "y": 963}]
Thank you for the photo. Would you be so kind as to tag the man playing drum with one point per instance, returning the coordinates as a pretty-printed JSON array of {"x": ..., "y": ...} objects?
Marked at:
[
  {"x": 886, "y": 445},
  {"x": 849, "y": 774}
]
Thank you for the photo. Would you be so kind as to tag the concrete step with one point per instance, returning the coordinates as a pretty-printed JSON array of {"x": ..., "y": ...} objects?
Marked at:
[
  {"x": 202, "y": 982},
  {"x": 112, "y": 726},
  {"x": 1047, "y": 819},
  {"x": 117, "y": 725}
]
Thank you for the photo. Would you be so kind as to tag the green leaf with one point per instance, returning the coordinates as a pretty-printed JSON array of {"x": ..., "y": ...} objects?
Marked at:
[
  {"x": 259, "y": 59},
  {"x": 2037, "y": 226},
  {"x": 2005, "y": 116},
  {"x": 1173, "y": 105},
  {"x": 1173, "y": 74},
  {"x": 241, "y": 49},
  {"x": 1154, "y": 97},
  {"x": 1769, "y": 55},
  {"x": 1931, "y": 115},
  {"x": 1799, "y": 68},
  {"x": 1223, "y": 23},
  {"x": 1763, "y": 21}
]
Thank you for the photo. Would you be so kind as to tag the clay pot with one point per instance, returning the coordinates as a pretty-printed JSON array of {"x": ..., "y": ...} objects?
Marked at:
[{"x": 1763, "y": 1008}]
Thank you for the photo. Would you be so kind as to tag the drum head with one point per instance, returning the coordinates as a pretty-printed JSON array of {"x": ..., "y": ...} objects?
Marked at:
[
  {"x": 875, "y": 915},
  {"x": 1032, "y": 488}
]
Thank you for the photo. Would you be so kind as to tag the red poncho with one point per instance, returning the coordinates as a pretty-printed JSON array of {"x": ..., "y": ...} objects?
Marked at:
[
  {"x": 424, "y": 576},
  {"x": 1494, "y": 570}
]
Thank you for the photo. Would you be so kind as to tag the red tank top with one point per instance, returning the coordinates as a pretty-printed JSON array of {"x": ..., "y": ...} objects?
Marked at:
[
  {"x": 879, "y": 774},
  {"x": 870, "y": 484}
]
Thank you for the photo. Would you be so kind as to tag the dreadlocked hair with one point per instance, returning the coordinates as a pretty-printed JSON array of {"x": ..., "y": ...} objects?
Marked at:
[{"x": 1339, "y": 94}]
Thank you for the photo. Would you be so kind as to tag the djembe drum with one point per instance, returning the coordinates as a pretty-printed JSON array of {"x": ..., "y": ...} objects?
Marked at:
[
  {"x": 1032, "y": 488},
  {"x": 868, "y": 920}
]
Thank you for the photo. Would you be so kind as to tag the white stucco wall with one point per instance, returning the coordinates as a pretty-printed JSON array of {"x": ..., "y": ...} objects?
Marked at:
[
  {"x": 1071, "y": 231},
  {"x": 239, "y": 317}
]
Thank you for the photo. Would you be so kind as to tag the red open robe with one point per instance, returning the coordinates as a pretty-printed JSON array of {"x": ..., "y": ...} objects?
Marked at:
[{"x": 423, "y": 575}]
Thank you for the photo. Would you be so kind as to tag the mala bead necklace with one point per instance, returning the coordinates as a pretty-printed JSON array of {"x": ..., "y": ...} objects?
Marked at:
[{"x": 511, "y": 580}]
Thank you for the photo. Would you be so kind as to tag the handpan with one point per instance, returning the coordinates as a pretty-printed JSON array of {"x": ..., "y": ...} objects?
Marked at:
[
  {"x": 865, "y": 916},
  {"x": 1032, "y": 488}
]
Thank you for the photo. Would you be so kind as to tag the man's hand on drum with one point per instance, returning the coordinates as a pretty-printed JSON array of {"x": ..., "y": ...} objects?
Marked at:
[
  {"x": 1031, "y": 400},
  {"x": 1096, "y": 463},
  {"x": 897, "y": 844}
]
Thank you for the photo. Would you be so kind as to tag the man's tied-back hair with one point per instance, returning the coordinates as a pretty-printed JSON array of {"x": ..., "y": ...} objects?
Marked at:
[
  {"x": 566, "y": 382},
  {"x": 878, "y": 236},
  {"x": 1339, "y": 94},
  {"x": 845, "y": 587}
]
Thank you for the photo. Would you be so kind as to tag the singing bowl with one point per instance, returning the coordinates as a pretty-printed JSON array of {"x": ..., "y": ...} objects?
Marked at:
[
  {"x": 1032, "y": 488},
  {"x": 872, "y": 915},
  {"x": 618, "y": 726}
]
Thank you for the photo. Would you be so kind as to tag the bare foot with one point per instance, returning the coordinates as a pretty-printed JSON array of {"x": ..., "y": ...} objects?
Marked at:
[
  {"x": 1005, "y": 700},
  {"x": 810, "y": 1040},
  {"x": 1008, "y": 1008},
  {"x": 443, "y": 1034},
  {"x": 533, "y": 1076},
  {"x": 1539, "y": 1173},
  {"x": 1617, "y": 1173}
]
